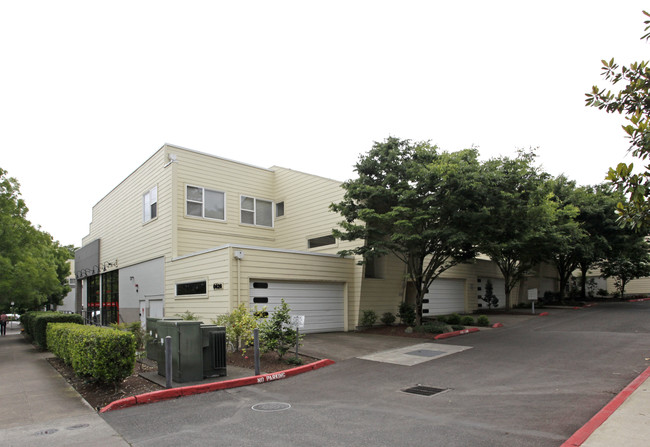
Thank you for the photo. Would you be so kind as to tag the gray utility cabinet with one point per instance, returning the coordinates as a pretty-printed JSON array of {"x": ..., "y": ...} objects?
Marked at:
[{"x": 198, "y": 350}]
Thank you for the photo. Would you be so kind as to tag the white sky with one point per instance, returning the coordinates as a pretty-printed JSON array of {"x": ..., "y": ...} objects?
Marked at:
[{"x": 89, "y": 89}]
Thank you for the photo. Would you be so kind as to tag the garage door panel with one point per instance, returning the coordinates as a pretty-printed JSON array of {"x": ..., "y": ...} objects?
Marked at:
[
  {"x": 322, "y": 304},
  {"x": 445, "y": 296}
]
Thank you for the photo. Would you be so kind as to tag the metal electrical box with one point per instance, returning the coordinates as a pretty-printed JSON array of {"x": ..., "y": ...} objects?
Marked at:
[
  {"x": 153, "y": 346},
  {"x": 187, "y": 352},
  {"x": 198, "y": 350}
]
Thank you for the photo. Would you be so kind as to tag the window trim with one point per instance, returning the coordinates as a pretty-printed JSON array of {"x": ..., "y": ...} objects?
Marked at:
[
  {"x": 254, "y": 211},
  {"x": 191, "y": 295},
  {"x": 145, "y": 196},
  {"x": 202, "y": 202}
]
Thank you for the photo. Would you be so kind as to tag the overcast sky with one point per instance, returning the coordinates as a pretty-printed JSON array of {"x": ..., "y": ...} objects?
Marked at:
[{"x": 89, "y": 89}]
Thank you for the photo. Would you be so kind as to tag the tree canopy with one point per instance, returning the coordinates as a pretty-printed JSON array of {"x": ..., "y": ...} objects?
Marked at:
[
  {"x": 416, "y": 202},
  {"x": 633, "y": 100},
  {"x": 33, "y": 267},
  {"x": 517, "y": 216}
]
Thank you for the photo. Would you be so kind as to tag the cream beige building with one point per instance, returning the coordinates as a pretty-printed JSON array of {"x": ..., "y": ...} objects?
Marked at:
[{"x": 194, "y": 232}]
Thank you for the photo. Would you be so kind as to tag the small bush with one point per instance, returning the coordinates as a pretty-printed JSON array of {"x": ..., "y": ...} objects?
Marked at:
[
  {"x": 441, "y": 318},
  {"x": 188, "y": 316},
  {"x": 467, "y": 320},
  {"x": 406, "y": 314},
  {"x": 104, "y": 354},
  {"x": 35, "y": 324},
  {"x": 388, "y": 318},
  {"x": 457, "y": 327},
  {"x": 602, "y": 292},
  {"x": 297, "y": 361},
  {"x": 483, "y": 321},
  {"x": 368, "y": 318},
  {"x": 453, "y": 319},
  {"x": 136, "y": 329},
  {"x": 240, "y": 324},
  {"x": 431, "y": 328},
  {"x": 276, "y": 332}
]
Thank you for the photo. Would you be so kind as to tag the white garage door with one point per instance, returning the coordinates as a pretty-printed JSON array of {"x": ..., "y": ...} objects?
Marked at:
[
  {"x": 321, "y": 303},
  {"x": 498, "y": 289},
  {"x": 445, "y": 296}
]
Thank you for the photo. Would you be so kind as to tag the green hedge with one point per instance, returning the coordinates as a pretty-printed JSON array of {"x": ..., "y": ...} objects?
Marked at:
[
  {"x": 35, "y": 324},
  {"x": 105, "y": 354}
]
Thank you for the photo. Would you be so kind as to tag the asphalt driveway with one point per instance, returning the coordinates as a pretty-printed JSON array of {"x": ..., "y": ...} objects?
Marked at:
[{"x": 530, "y": 383}]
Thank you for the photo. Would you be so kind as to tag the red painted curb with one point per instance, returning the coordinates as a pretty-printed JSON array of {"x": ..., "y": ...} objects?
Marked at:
[
  {"x": 495, "y": 325},
  {"x": 544, "y": 314},
  {"x": 173, "y": 393},
  {"x": 455, "y": 333},
  {"x": 588, "y": 429}
]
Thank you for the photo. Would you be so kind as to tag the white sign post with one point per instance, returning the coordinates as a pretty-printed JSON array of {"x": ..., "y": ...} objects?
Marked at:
[{"x": 532, "y": 297}]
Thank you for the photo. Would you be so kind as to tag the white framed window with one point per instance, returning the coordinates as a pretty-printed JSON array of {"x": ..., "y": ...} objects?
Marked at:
[
  {"x": 256, "y": 211},
  {"x": 150, "y": 204},
  {"x": 206, "y": 203}
]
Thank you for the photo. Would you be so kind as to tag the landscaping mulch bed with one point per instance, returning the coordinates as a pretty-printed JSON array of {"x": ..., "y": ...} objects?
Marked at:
[{"x": 100, "y": 395}]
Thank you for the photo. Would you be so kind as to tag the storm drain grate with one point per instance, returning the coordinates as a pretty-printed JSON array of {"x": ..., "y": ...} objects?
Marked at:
[{"x": 424, "y": 390}]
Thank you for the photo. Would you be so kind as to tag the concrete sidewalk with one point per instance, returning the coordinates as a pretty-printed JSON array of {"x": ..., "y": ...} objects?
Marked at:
[{"x": 38, "y": 407}]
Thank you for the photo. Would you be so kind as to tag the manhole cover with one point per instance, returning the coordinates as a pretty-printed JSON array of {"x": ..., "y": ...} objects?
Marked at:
[
  {"x": 426, "y": 353},
  {"x": 271, "y": 406},
  {"x": 48, "y": 431},
  {"x": 77, "y": 427},
  {"x": 424, "y": 390}
]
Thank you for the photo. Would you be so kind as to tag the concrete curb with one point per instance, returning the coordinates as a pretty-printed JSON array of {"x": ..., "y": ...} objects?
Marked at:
[
  {"x": 455, "y": 333},
  {"x": 588, "y": 429},
  {"x": 173, "y": 393}
]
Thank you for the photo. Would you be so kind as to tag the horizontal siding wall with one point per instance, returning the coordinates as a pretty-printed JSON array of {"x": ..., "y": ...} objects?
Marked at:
[
  {"x": 117, "y": 218},
  {"x": 212, "y": 267},
  {"x": 307, "y": 199},
  {"x": 383, "y": 294},
  {"x": 234, "y": 179}
]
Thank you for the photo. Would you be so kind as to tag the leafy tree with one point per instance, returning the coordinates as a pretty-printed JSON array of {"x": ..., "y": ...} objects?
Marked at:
[
  {"x": 517, "y": 216},
  {"x": 633, "y": 100},
  {"x": 415, "y": 202},
  {"x": 629, "y": 260},
  {"x": 566, "y": 236},
  {"x": 598, "y": 220},
  {"x": 31, "y": 268}
]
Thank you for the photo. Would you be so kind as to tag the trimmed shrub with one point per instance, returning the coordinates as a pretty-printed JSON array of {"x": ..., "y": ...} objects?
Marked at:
[
  {"x": 104, "y": 354},
  {"x": 368, "y": 318},
  {"x": 406, "y": 313},
  {"x": 483, "y": 321},
  {"x": 136, "y": 329},
  {"x": 453, "y": 319},
  {"x": 441, "y": 318},
  {"x": 388, "y": 318},
  {"x": 35, "y": 324},
  {"x": 432, "y": 328},
  {"x": 467, "y": 320},
  {"x": 457, "y": 327}
]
